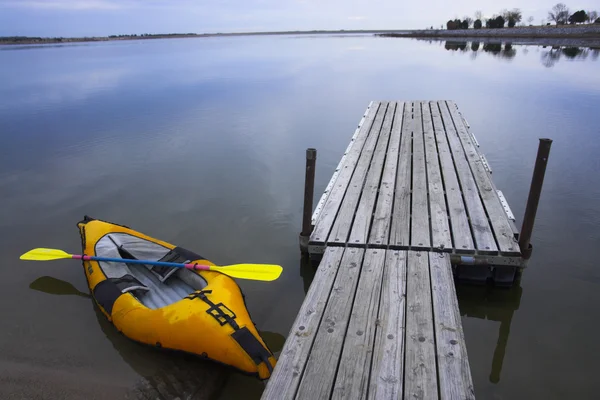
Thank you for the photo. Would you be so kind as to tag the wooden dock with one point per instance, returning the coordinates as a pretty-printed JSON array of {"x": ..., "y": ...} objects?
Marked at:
[{"x": 410, "y": 207}]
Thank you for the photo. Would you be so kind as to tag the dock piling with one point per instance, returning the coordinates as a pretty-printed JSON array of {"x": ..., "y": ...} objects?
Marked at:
[
  {"x": 309, "y": 189},
  {"x": 533, "y": 199}
]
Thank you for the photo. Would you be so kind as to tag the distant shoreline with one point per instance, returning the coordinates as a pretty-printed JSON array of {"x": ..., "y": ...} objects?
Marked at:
[
  {"x": 23, "y": 40},
  {"x": 588, "y": 33},
  {"x": 582, "y": 32}
]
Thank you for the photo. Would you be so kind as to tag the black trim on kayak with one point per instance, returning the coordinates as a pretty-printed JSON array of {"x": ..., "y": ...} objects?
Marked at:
[
  {"x": 187, "y": 254},
  {"x": 106, "y": 293},
  {"x": 252, "y": 346}
]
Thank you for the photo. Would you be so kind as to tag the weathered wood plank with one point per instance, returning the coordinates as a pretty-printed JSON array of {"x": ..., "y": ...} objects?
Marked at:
[
  {"x": 484, "y": 238},
  {"x": 380, "y": 228},
  {"x": 332, "y": 204},
  {"x": 317, "y": 381},
  {"x": 454, "y": 372},
  {"x": 459, "y": 223},
  {"x": 400, "y": 231},
  {"x": 420, "y": 375},
  {"x": 352, "y": 379},
  {"x": 419, "y": 238},
  {"x": 333, "y": 179},
  {"x": 440, "y": 228},
  {"x": 343, "y": 222},
  {"x": 387, "y": 373},
  {"x": 499, "y": 220},
  {"x": 364, "y": 212},
  {"x": 290, "y": 366}
]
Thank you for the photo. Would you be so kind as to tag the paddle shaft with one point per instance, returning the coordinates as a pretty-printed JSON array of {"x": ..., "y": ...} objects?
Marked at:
[{"x": 196, "y": 267}]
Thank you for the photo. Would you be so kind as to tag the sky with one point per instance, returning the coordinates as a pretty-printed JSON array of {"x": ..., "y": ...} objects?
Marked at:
[{"x": 69, "y": 18}]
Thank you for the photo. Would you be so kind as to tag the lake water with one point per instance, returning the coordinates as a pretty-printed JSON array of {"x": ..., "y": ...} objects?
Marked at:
[{"x": 201, "y": 142}]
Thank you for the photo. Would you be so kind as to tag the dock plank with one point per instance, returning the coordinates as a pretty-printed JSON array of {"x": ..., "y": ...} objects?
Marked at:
[
  {"x": 352, "y": 380},
  {"x": 380, "y": 229},
  {"x": 420, "y": 375},
  {"x": 366, "y": 205},
  {"x": 387, "y": 371},
  {"x": 343, "y": 222},
  {"x": 286, "y": 377},
  {"x": 331, "y": 207},
  {"x": 400, "y": 230},
  {"x": 482, "y": 232},
  {"x": 453, "y": 364},
  {"x": 420, "y": 237},
  {"x": 317, "y": 381},
  {"x": 498, "y": 218},
  {"x": 459, "y": 223},
  {"x": 440, "y": 227}
]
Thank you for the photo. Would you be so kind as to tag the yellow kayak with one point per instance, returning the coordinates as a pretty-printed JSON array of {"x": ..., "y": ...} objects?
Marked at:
[{"x": 198, "y": 312}]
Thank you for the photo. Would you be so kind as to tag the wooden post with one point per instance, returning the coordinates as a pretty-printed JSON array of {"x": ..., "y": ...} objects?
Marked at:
[
  {"x": 534, "y": 196},
  {"x": 309, "y": 189}
]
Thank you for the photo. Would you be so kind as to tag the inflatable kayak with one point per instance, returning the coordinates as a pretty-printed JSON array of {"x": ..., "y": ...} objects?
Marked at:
[{"x": 198, "y": 312}]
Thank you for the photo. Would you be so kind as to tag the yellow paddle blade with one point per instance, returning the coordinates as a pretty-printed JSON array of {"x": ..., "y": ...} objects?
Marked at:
[
  {"x": 258, "y": 272},
  {"x": 41, "y": 254}
]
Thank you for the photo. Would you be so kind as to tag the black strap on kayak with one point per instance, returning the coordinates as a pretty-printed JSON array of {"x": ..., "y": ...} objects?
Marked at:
[
  {"x": 220, "y": 311},
  {"x": 247, "y": 341},
  {"x": 253, "y": 347}
]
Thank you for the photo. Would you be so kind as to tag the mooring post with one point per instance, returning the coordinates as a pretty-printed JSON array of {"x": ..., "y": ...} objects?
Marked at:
[
  {"x": 534, "y": 197},
  {"x": 309, "y": 190}
]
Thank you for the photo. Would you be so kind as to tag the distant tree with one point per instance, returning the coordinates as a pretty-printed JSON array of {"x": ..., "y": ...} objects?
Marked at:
[
  {"x": 593, "y": 16},
  {"x": 578, "y": 17},
  {"x": 451, "y": 25},
  {"x": 559, "y": 14},
  {"x": 477, "y": 24},
  {"x": 511, "y": 22},
  {"x": 464, "y": 25},
  {"x": 475, "y": 46},
  {"x": 497, "y": 22},
  {"x": 515, "y": 14},
  {"x": 530, "y": 20},
  {"x": 478, "y": 15},
  {"x": 469, "y": 21}
]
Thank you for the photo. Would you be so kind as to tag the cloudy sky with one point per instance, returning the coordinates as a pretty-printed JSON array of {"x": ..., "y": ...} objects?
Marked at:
[{"x": 105, "y": 17}]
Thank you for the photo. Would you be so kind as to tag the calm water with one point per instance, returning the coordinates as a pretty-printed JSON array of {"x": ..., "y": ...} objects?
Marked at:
[{"x": 201, "y": 142}]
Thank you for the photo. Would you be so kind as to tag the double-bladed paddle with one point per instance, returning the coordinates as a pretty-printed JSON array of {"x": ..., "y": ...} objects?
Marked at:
[{"x": 259, "y": 272}]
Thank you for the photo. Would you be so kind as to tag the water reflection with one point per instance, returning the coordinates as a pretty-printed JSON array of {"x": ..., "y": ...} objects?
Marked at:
[
  {"x": 550, "y": 55},
  {"x": 493, "y": 304},
  {"x": 165, "y": 375}
]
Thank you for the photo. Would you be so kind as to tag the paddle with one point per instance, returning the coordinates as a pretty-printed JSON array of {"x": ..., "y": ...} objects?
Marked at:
[{"x": 259, "y": 272}]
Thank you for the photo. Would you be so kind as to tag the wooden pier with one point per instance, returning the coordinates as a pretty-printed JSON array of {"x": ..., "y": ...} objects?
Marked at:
[{"x": 410, "y": 207}]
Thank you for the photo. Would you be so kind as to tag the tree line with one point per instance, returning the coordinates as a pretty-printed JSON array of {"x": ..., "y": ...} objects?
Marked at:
[{"x": 559, "y": 14}]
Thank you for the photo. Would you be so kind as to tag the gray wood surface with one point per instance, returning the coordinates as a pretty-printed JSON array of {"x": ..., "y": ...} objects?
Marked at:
[
  {"x": 454, "y": 372},
  {"x": 364, "y": 212},
  {"x": 420, "y": 233},
  {"x": 332, "y": 204},
  {"x": 459, "y": 223},
  {"x": 343, "y": 221},
  {"x": 325, "y": 194},
  {"x": 380, "y": 228},
  {"x": 387, "y": 372},
  {"x": 400, "y": 230},
  {"x": 482, "y": 232},
  {"x": 317, "y": 381},
  {"x": 352, "y": 380},
  {"x": 440, "y": 227},
  {"x": 290, "y": 366},
  {"x": 498, "y": 218},
  {"x": 420, "y": 374}
]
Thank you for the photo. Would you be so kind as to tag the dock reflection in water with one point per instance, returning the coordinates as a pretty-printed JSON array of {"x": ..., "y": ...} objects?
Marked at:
[{"x": 493, "y": 304}]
